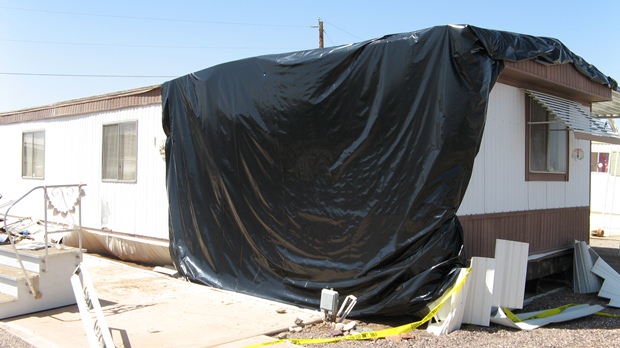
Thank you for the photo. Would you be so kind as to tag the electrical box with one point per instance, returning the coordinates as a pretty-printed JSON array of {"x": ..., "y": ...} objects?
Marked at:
[{"x": 329, "y": 303}]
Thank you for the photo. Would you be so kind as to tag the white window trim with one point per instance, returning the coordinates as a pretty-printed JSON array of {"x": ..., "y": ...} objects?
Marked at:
[
  {"x": 103, "y": 148},
  {"x": 32, "y": 177}
]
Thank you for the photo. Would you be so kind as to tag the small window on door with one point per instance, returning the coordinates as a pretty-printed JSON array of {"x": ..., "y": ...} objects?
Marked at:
[{"x": 599, "y": 162}]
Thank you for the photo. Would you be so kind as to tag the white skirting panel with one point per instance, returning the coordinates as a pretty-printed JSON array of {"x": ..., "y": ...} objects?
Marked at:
[
  {"x": 510, "y": 273},
  {"x": 133, "y": 249}
]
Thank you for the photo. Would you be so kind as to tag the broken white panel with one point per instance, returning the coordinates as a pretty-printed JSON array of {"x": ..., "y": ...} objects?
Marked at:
[
  {"x": 450, "y": 316},
  {"x": 609, "y": 289},
  {"x": 583, "y": 279},
  {"x": 97, "y": 330},
  {"x": 569, "y": 313},
  {"x": 611, "y": 286},
  {"x": 510, "y": 273},
  {"x": 502, "y": 319},
  {"x": 593, "y": 254},
  {"x": 614, "y": 303},
  {"x": 605, "y": 271},
  {"x": 579, "y": 270},
  {"x": 480, "y": 295}
]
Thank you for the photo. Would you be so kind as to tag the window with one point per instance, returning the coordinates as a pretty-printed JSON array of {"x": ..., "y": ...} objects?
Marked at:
[
  {"x": 120, "y": 149},
  {"x": 605, "y": 162},
  {"x": 547, "y": 141},
  {"x": 599, "y": 162},
  {"x": 33, "y": 154}
]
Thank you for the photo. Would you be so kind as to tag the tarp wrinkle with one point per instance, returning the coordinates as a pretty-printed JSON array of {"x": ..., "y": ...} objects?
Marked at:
[{"x": 340, "y": 167}]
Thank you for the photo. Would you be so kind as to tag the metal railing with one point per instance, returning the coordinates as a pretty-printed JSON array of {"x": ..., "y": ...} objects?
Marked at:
[{"x": 63, "y": 200}]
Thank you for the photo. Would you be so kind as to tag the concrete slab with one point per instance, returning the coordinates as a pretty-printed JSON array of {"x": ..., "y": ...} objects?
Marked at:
[
  {"x": 147, "y": 309},
  {"x": 257, "y": 340}
]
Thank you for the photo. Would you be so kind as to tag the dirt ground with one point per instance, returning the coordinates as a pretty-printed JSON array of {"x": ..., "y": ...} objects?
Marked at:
[{"x": 576, "y": 333}]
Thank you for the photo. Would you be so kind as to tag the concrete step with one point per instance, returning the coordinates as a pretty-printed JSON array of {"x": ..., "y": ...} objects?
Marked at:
[
  {"x": 52, "y": 280},
  {"x": 34, "y": 260},
  {"x": 4, "y": 298},
  {"x": 13, "y": 281}
]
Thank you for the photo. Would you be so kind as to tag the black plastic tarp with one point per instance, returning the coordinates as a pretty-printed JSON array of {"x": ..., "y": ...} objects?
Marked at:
[{"x": 335, "y": 168}]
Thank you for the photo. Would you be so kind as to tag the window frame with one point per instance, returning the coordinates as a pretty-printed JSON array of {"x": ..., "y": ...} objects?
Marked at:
[
  {"x": 595, "y": 161},
  {"x": 104, "y": 156},
  {"x": 33, "y": 164},
  {"x": 538, "y": 175}
]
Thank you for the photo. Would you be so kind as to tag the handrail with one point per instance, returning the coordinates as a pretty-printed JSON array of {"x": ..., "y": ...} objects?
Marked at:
[{"x": 49, "y": 205}]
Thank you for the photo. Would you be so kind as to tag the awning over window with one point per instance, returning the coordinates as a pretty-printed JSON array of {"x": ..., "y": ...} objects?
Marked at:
[
  {"x": 583, "y": 124},
  {"x": 608, "y": 109}
]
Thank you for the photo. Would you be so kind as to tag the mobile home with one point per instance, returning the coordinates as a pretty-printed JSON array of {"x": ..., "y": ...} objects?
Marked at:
[{"x": 113, "y": 143}]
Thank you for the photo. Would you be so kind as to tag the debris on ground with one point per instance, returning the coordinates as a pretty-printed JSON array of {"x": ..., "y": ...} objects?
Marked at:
[{"x": 603, "y": 326}]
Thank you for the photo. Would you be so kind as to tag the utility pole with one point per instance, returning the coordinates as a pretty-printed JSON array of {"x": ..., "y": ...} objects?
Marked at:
[
  {"x": 320, "y": 26},
  {"x": 320, "y": 33}
]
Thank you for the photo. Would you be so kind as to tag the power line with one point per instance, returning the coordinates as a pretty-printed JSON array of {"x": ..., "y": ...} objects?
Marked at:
[
  {"x": 344, "y": 31},
  {"x": 85, "y": 75},
  {"x": 330, "y": 39},
  {"x": 145, "y": 46},
  {"x": 154, "y": 18}
]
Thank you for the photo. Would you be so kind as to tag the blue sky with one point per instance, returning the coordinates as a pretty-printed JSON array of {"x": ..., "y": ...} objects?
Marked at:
[{"x": 154, "y": 41}]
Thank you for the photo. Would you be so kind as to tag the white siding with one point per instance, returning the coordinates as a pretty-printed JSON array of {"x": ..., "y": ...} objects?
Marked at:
[
  {"x": 73, "y": 149},
  {"x": 606, "y": 186},
  {"x": 498, "y": 179},
  {"x": 578, "y": 193},
  {"x": 605, "y": 194}
]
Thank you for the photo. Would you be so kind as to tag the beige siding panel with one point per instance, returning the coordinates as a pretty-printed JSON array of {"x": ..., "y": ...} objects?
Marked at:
[
  {"x": 556, "y": 194},
  {"x": 579, "y": 176},
  {"x": 13, "y": 186},
  {"x": 498, "y": 179},
  {"x": 505, "y": 155},
  {"x": 73, "y": 155},
  {"x": 497, "y": 183},
  {"x": 473, "y": 200},
  {"x": 604, "y": 188},
  {"x": 536, "y": 195},
  {"x": 605, "y": 193},
  {"x": 138, "y": 208}
]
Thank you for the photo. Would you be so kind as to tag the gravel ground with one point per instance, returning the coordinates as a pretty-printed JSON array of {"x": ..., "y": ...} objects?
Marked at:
[
  {"x": 584, "y": 332},
  {"x": 10, "y": 341}
]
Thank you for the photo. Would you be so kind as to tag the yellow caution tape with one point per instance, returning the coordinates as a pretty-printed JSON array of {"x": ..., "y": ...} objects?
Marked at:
[
  {"x": 550, "y": 312},
  {"x": 374, "y": 334},
  {"x": 511, "y": 315},
  {"x": 545, "y": 314},
  {"x": 609, "y": 315}
]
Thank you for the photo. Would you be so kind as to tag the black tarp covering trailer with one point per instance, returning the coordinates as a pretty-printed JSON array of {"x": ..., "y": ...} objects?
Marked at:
[{"x": 335, "y": 168}]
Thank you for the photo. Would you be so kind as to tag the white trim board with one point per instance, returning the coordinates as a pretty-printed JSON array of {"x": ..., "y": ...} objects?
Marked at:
[
  {"x": 450, "y": 316},
  {"x": 480, "y": 295},
  {"x": 510, "y": 273},
  {"x": 583, "y": 279}
]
